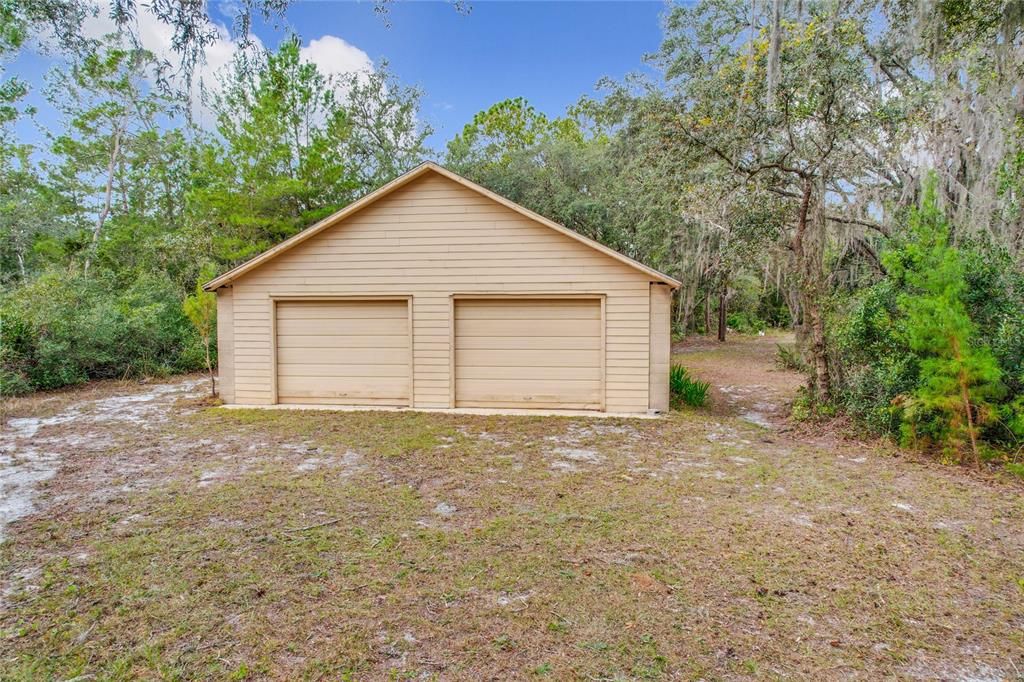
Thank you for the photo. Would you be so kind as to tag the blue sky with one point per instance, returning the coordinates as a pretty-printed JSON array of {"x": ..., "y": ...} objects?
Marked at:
[{"x": 551, "y": 53}]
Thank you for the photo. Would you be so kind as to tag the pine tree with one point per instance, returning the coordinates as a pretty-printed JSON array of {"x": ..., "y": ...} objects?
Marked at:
[{"x": 959, "y": 375}]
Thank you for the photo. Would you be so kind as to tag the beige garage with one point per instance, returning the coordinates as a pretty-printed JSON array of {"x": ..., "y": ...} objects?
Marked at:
[{"x": 435, "y": 293}]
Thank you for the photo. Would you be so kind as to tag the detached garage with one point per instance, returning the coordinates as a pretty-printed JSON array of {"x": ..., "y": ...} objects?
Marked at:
[{"x": 435, "y": 293}]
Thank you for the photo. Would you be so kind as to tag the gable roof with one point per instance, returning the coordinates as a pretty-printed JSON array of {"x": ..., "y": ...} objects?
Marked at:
[{"x": 401, "y": 181}]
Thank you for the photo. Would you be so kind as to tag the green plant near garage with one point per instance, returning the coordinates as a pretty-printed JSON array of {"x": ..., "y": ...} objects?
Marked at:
[{"x": 685, "y": 390}]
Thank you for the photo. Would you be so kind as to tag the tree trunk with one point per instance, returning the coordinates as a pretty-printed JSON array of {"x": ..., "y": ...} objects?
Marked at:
[
  {"x": 965, "y": 397},
  {"x": 685, "y": 302},
  {"x": 707, "y": 314},
  {"x": 721, "y": 313},
  {"x": 774, "y": 46},
  {"x": 806, "y": 246},
  {"x": 822, "y": 381},
  {"x": 115, "y": 152}
]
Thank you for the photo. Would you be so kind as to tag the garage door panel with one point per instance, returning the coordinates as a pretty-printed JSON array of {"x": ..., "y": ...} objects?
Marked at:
[
  {"x": 343, "y": 370},
  {"x": 347, "y": 400},
  {"x": 527, "y": 358},
  {"x": 553, "y": 310},
  {"x": 341, "y": 355},
  {"x": 586, "y": 394},
  {"x": 343, "y": 352},
  {"x": 334, "y": 310},
  {"x": 530, "y": 343},
  {"x": 343, "y": 341},
  {"x": 342, "y": 387},
  {"x": 543, "y": 388},
  {"x": 525, "y": 327},
  {"x": 534, "y": 374},
  {"x": 344, "y": 326},
  {"x": 540, "y": 353}
]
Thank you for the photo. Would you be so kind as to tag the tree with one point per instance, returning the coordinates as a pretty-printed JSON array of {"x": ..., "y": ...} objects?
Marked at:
[
  {"x": 957, "y": 69},
  {"x": 786, "y": 106},
  {"x": 386, "y": 137},
  {"x": 507, "y": 128},
  {"x": 201, "y": 310},
  {"x": 26, "y": 213},
  {"x": 193, "y": 28},
  {"x": 959, "y": 374},
  {"x": 282, "y": 161},
  {"x": 106, "y": 108}
]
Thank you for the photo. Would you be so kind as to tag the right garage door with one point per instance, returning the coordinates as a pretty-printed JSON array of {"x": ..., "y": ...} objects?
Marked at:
[{"x": 540, "y": 353}]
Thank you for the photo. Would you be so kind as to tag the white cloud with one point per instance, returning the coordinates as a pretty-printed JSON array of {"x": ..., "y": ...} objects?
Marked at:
[{"x": 335, "y": 56}]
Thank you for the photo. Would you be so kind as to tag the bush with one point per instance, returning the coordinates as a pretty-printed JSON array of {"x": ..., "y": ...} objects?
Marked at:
[
  {"x": 1016, "y": 469},
  {"x": 60, "y": 330},
  {"x": 683, "y": 389},
  {"x": 745, "y": 323},
  {"x": 947, "y": 319},
  {"x": 788, "y": 357},
  {"x": 877, "y": 366}
]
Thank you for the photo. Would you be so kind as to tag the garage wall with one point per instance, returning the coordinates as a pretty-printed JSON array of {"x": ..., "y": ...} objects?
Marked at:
[
  {"x": 430, "y": 239},
  {"x": 225, "y": 345},
  {"x": 661, "y": 345}
]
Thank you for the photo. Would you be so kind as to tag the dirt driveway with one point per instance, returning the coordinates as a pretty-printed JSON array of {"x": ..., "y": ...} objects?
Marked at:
[{"x": 148, "y": 536}]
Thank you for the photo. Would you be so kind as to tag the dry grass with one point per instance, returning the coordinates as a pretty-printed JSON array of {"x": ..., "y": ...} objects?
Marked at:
[{"x": 317, "y": 545}]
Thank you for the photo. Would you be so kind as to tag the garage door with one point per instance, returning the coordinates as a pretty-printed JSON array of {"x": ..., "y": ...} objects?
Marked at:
[
  {"x": 543, "y": 353},
  {"x": 343, "y": 353}
]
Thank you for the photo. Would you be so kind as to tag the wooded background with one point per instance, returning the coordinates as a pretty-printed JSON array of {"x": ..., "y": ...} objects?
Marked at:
[{"x": 851, "y": 169}]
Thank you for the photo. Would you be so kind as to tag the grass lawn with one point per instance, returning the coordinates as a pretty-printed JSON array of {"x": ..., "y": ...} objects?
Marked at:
[{"x": 183, "y": 542}]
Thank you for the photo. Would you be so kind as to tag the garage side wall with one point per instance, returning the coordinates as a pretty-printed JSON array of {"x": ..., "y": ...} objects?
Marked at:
[
  {"x": 661, "y": 345},
  {"x": 433, "y": 239},
  {"x": 226, "y": 344}
]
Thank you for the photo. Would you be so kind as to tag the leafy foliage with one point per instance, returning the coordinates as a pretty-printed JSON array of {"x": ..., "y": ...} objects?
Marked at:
[
  {"x": 787, "y": 357},
  {"x": 927, "y": 353},
  {"x": 62, "y": 330},
  {"x": 201, "y": 310},
  {"x": 959, "y": 378},
  {"x": 684, "y": 389}
]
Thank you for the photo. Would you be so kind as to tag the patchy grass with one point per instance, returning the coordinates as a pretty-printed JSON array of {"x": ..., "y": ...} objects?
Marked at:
[{"x": 369, "y": 545}]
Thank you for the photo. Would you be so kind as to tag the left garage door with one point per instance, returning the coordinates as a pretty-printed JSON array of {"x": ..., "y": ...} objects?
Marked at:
[{"x": 343, "y": 352}]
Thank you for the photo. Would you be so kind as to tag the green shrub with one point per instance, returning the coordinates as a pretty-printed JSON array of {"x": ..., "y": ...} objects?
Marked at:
[
  {"x": 745, "y": 322},
  {"x": 946, "y": 319},
  {"x": 683, "y": 389},
  {"x": 960, "y": 378},
  {"x": 877, "y": 365},
  {"x": 802, "y": 408},
  {"x": 62, "y": 330},
  {"x": 788, "y": 357}
]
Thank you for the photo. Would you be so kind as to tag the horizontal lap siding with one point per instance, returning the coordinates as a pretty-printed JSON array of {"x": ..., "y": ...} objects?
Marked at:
[
  {"x": 225, "y": 345},
  {"x": 431, "y": 239},
  {"x": 661, "y": 346}
]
